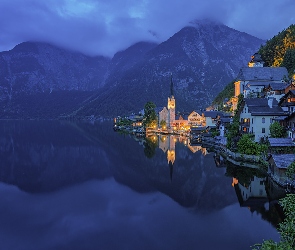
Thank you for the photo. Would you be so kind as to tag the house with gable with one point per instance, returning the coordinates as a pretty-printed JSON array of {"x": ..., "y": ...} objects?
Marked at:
[
  {"x": 252, "y": 80},
  {"x": 275, "y": 90},
  {"x": 196, "y": 118},
  {"x": 257, "y": 114},
  {"x": 277, "y": 166}
]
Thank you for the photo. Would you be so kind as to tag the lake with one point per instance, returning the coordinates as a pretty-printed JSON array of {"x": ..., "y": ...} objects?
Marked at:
[{"x": 66, "y": 185}]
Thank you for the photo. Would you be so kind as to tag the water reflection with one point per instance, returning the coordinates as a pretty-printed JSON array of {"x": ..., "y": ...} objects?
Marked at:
[
  {"x": 257, "y": 192},
  {"x": 81, "y": 184}
]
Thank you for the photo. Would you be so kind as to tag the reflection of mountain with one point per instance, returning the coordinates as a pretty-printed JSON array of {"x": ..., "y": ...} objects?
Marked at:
[{"x": 43, "y": 156}]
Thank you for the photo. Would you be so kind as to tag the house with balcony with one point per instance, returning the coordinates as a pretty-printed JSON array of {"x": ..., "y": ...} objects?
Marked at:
[
  {"x": 257, "y": 114},
  {"x": 196, "y": 119},
  {"x": 287, "y": 102}
]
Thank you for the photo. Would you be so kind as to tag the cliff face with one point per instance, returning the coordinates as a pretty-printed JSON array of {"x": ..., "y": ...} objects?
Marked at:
[{"x": 202, "y": 59}]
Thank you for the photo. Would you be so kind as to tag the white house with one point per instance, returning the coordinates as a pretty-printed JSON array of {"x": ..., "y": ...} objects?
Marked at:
[{"x": 257, "y": 114}]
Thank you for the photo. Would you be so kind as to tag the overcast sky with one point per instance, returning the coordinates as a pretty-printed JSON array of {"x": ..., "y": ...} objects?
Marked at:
[{"x": 103, "y": 27}]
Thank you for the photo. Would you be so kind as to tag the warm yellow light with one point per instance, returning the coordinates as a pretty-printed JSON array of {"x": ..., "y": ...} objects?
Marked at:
[{"x": 235, "y": 181}]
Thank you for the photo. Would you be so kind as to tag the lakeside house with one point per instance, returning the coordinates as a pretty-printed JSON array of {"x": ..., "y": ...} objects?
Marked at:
[
  {"x": 257, "y": 114},
  {"x": 278, "y": 164}
]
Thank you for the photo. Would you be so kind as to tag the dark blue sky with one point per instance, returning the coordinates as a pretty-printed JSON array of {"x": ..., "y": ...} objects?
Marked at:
[{"x": 102, "y": 27}]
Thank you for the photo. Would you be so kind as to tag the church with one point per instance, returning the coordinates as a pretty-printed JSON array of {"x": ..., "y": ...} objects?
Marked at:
[{"x": 167, "y": 114}]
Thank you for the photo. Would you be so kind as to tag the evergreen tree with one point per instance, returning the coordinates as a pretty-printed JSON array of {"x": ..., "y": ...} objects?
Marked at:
[{"x": 150, "y": 116}]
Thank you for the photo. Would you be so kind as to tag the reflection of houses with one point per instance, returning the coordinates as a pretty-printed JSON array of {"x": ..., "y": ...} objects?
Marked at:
[
  {"x": 254, "y": 195},
  {"x": 196, "y": 148},
  {"x": 278, "y": 165}
]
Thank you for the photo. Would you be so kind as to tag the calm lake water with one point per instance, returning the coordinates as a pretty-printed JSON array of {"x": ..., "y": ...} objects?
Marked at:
[{"x": 70, "y": 185}]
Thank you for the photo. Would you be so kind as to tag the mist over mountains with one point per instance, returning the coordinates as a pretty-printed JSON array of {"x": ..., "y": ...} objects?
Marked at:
[{"x": 39, "y": 80}]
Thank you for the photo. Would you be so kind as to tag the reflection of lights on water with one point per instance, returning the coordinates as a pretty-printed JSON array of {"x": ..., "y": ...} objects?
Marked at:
[{"x": 235, "y": 181}]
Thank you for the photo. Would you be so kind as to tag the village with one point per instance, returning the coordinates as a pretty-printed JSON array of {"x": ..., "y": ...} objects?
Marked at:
[{"x": 263, "y": 96}]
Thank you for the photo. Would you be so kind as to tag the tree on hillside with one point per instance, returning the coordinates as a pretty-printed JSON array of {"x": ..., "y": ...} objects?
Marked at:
[
  {"x": 227, "y": 92},
  {"x": 233, "y": 132},
  {"x": 150, "y": 116},
  {"x": 274, "y": 51},
  {"x": 277, "y": 131},
  {"x": 289, "y": 61}
]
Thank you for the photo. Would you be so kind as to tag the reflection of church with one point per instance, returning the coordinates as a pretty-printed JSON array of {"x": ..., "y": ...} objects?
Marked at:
[{"x": 167, "y": 144}]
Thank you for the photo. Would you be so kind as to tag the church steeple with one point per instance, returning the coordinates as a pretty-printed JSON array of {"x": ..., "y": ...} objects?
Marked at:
[
  {"x": 171, "y": 87},
  {"x": 171, "y": 105}
]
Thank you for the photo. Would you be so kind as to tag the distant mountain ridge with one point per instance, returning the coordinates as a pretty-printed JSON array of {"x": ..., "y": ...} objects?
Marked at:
[{"x": 202, "y": 59}]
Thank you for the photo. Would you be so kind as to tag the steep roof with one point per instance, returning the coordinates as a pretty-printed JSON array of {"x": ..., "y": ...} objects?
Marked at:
[
  {"x": 258, "y": 83},
  {"x": 281, "y": 142},
  {"x": 262, "y": 73},
  {"x": 260, "y": 107},
  {"x": 289, "y": 93},
  {"x": 284, "y": 160},
  {"x": 278, "y": 85},
  {"x": 213, "y": 114}
]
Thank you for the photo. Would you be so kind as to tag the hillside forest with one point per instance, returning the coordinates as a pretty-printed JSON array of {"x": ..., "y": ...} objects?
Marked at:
[{"x": 276, "y": 52}]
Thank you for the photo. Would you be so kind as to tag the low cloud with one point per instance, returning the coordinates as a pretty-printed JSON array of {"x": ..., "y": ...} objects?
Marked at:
[{"x": 104, "y": 27}]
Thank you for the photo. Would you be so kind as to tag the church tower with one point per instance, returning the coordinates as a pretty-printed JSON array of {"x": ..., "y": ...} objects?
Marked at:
[
  {"x": 256, "y": 61},
  {"x": 171, "y": 106}
]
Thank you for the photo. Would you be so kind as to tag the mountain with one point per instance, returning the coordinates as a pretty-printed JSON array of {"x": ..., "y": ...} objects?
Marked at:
[
  {"x": 38, "y": 80},
  {"x": 202, "y": 58},
  {"x": 41, "y": 80}
]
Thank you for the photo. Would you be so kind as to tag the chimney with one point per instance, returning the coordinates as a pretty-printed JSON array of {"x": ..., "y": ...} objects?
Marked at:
[{"x": 270, "y": 101}]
